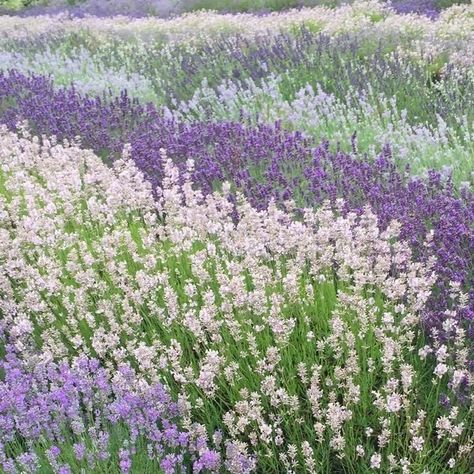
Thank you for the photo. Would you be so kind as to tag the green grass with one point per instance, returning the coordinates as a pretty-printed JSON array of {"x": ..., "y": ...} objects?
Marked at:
[
  {"x": 19, "y": 4},
  {"x": 443, "y": 4}
]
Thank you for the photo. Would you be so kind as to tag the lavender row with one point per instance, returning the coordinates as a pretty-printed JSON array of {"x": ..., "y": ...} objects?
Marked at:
[
  {"x": 264, "y": 162},
  {"x": 426, "y": 83}
]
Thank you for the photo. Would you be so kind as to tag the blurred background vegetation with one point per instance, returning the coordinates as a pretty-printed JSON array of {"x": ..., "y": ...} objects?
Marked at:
[
  {"x": 184, "y": 5},
  {"x": 168, "y": 7}
]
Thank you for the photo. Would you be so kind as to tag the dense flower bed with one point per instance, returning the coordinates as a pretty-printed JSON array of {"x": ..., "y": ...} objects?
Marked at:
[
  {"x": 174, "y": 288},
  {"x": 237, "y": 251},
  {"x": 265, "y": 163}
]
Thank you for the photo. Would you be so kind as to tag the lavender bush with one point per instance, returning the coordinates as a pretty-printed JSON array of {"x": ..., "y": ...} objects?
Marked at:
[
  {"x": 425, "y": 7},
  {"x": 65, "y": 419}
]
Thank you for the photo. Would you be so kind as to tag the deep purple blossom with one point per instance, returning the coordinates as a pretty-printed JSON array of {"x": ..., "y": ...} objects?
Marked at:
[{"x": 428, "y": 8}]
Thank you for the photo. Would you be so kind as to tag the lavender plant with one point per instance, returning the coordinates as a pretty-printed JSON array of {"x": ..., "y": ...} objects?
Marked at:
[{"x": 60, "y": 418}]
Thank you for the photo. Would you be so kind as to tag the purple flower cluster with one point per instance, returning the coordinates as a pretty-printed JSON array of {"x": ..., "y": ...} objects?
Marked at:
[
  {"x": 423, "y": 7},
  {"x": 265, "y": 163},
  {"x": 100, "y": 8},
  {"x": 79, "y": 405}
]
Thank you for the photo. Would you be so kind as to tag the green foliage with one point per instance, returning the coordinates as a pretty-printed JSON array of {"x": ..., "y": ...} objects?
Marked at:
[
  {"x": 449, "y": 3},
  {"x": 18, "y": 4},
  {"x": 251, "y": 5}
]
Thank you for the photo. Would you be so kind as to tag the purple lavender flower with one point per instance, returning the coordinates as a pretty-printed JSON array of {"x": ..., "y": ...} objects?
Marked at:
[
  {"x": 125, "y": 462},
  {"x": 428, "y": 8},
  {"x": 208, "y": 460},
  {"x": 79, "y": 451}
]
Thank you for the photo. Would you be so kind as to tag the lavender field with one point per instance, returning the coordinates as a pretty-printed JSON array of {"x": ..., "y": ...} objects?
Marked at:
[{"x": 236, "y": 237}]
